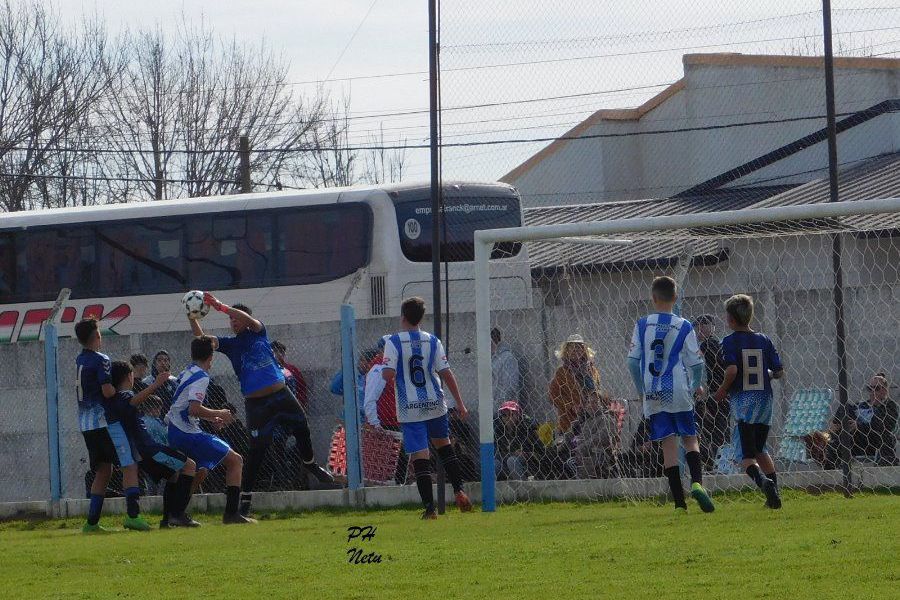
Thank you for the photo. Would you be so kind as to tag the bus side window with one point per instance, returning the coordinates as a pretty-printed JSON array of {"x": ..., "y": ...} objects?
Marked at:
[
  {"x": 322, "y": 243},
  {"x": 8, "y": 289},
  {"x": 254, "y": 252},
  {"x": 40, "y": 264}
]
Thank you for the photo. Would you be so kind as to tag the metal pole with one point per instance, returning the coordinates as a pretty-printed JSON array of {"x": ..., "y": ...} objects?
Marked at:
[
  {"x": 246, "y": 183},
  {"x": 836, "y": 245},
  {"x": 435, "y": 203},
  {"x": 51, "y": 380},
  {"x": 351, "y": 410}
]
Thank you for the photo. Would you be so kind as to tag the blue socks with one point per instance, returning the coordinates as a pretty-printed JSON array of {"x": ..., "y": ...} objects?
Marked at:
[
  {"x": 131, "y": 501},
  {"x": 95, "y": 508}
]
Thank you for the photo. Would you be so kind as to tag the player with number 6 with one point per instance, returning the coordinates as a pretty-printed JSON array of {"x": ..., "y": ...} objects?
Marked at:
[{"x": 416, "y": 364}]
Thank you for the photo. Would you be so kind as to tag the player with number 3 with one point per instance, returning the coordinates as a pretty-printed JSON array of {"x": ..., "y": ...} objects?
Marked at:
[
  {"x": 751, "y": 363},
  {"x": 416, "y": 364},
  {"x": 668, "y": 368}
]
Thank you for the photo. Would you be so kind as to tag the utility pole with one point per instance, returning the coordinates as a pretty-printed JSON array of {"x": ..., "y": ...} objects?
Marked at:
[
  {"x": 836, "y": 245},
  {"x": 246, "y": 184},
  {"x": 433, "y": 51}
]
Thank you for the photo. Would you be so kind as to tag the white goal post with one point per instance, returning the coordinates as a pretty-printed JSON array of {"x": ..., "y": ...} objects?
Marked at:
[{"x": 586, "y": 231}]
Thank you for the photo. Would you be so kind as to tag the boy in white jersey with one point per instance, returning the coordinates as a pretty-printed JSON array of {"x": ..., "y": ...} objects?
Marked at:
[
  {"x": 208, "y": 451},
  {"x": 416, "y": 364},
  {"x": 667, "y": 368}
]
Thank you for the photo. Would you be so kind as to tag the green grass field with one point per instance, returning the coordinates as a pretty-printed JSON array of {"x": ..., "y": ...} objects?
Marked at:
[{"x": 816, "y": 547}]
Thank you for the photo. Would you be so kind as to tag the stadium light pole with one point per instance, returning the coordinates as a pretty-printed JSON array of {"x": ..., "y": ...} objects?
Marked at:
[
  {"x": 433, "y": 50},
  {"x": 836, "y": 245}
]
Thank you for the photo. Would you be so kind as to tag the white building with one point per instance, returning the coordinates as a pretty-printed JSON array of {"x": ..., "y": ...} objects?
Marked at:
[{"x": 732, "y": 119}]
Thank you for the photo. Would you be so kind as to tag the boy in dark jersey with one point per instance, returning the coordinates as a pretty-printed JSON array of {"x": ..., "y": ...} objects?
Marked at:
[
  {"x": 93, "y": 385},
  {"x": 751, "y": 363},
  {"x": 157, "y": 460}
]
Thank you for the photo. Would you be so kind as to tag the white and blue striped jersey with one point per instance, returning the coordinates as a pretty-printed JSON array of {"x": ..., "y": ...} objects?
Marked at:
[
  {"x": 192, "y": 384},
  {"x": 417, "y": 357},
  {"x": 93, "y": 370},
  {"x": 667, "y": 347}
]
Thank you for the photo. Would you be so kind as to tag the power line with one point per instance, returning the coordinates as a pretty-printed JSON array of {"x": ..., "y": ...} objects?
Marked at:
[{"x": 350, "y": 41}]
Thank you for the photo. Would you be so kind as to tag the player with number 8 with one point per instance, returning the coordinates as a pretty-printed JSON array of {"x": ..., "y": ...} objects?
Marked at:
[{"x": 751, "y": 364}]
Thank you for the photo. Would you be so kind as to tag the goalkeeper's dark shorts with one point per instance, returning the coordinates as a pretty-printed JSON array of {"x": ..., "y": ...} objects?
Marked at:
[
  {"x": 750, "y": 439},
  {"x": 266, "y": 413}
]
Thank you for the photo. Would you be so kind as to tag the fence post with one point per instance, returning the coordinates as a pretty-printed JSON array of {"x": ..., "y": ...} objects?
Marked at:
[
  {"x": 351, "y": 410},
  {"x": 51, "y": 384}
]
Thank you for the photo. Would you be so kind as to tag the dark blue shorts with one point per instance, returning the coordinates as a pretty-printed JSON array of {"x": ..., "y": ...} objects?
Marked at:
[
  {"x": 161, "y": 462},
  {"x": 664, "y": 424},
  {"x": 416, "y": 435},
  {"x": 206, "y": 450}
]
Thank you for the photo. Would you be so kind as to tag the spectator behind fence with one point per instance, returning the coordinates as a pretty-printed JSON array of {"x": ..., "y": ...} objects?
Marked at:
[
  {"x": 505, "y": 375},
  {"x": 365, "y": 362},
  {"x": 645, "y": 457},
  {"x": 380, "y": 406},
  {"x": 576, "y": 384},
  {"x": 141, "y": 367},
  {"x": 867, "y": 428},
  {"x": 712, "y": 415},
  {"x": 162, "y": 363},
  {"x": 292, "y": 375},
  {"x": 519, "y": 449}
]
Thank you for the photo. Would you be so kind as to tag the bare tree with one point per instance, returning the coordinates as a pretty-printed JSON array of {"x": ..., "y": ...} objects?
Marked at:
[
  {"x": 384, "y": 164},
  {"x": 50, "y": 80},
  {"x": 327, "y": 159},
  {"x": 185, "y": 101}
]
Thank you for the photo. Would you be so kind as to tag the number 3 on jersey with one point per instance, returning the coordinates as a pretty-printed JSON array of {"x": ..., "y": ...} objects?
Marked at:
[
  {"x": 416, "y": 370},
  {"x": 658, "y": 347}
]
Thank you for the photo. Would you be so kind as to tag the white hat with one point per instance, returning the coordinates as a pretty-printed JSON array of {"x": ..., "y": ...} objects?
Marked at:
[{"x": 575, "y": 338}]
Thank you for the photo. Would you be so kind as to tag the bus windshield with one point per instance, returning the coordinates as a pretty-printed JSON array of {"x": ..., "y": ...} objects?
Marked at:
[{"x": 463, "y": 215}]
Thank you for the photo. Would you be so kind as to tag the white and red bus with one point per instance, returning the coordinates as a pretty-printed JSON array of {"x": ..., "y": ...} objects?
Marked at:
[{"x": 293, "y": 256}]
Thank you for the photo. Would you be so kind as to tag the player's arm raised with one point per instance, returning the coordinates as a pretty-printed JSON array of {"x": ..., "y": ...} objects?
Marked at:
[
  {"x": 196, "y": 409},
  {"x": 255, "y": 325}
]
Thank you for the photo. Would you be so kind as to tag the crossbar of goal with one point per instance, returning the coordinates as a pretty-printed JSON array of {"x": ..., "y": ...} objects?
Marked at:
[{"x": 484, "y": 240}]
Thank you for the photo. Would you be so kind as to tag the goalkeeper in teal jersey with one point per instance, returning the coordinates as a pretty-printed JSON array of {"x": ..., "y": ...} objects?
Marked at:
[
  {"x": 668, "y": 368},
  {"x": 751, "y": 364}
]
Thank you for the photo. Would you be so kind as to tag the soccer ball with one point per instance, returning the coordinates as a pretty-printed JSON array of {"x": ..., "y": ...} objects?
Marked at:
[{"x": 194, "y": 305}]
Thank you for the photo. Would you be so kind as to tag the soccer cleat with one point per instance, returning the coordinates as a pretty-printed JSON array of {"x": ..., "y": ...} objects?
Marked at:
[
  {"x": 236, "y": 519},
  {"x": 136, "y": 524},
  {"x": 429, "y": 515},
  {"x": 321, "y": 475},
  {"x": 699, "y": 494},
  {"x": 773, "y": 497},
  {"x": 182, "y": 520},
  {"x": 681, "y": 509},
  {"x": 96, "y": 528},
  {"x": 462, "y": 502}
]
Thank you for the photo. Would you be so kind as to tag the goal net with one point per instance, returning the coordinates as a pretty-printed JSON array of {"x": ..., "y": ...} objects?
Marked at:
[{"x": 825, "y": 281}]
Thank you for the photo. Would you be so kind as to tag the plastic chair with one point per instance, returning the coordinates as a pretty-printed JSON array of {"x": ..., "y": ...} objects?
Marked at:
[{"x": 808, "y": 412}]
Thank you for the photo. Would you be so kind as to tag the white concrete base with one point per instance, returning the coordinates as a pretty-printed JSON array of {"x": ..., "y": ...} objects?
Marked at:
[{"x": 864, "y": 477}]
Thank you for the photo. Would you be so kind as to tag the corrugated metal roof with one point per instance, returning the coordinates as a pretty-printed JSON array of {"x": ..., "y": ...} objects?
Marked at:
[{"x": 874, "y": 178}]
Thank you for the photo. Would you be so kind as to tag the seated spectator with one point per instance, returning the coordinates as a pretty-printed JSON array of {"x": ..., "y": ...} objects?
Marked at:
[
  {"x": 292, "y": 375},
  {"x": 575, "y": 387},
  {"x": 645, "y": 457},
  {"x": 464, "y": 440},
  {"x": 867, "y": 428},
  {"x": 141, "y": 366},
  {"x": 519, "y": 450},
  {"x": 584, "y": 419},
  {"x": 505, "y": 375},
  {"x": 162, "y": 363}
]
